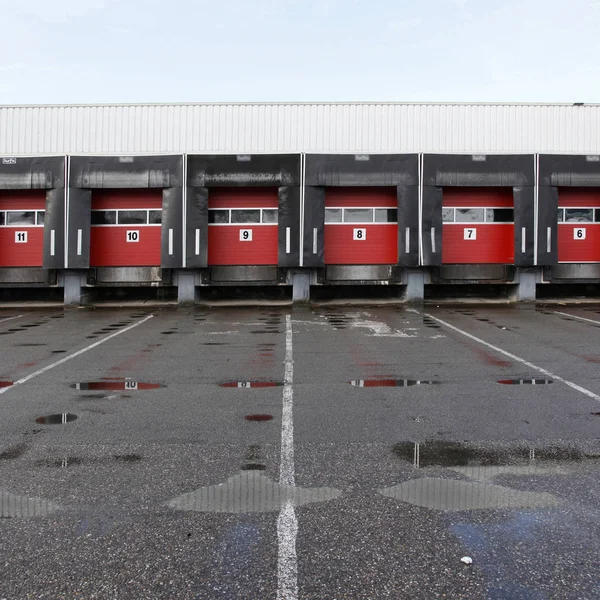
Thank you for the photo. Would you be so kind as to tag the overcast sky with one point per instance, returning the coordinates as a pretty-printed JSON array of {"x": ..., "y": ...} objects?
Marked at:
[{"x": 89, "y": 51}]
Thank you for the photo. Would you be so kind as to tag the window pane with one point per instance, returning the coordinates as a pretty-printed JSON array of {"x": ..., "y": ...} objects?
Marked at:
[
  {"x": 448, "y": 215},
  {"x": 561, "y": 215},
  {"x": 155, "y": 217},
  {"x": 579, "y": 215},
  {"x": 20, "y": 218},
  {"x": 104, "y": 217},
  {"x": 245, "y": 216},
  {"x": 499, "y": 215},
  {"x": 386, "y": 215},
  {"x": 2, "y": 218},
  {"x": 133, "y": 217},
  {"x": 269, "y": 216},
  {"x": 40, "y": 217},
  {"x": 358, "y": 215},
  {"x": 597, "y": 215},
  {"x": 469, "y": 215},
  {"x": 333, "y": 215},
  {"x": 218, "y": 216}
]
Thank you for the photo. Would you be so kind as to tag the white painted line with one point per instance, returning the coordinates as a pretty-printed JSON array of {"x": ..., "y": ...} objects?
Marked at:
[
  {"x": 287, "y": 523},
  {"x": 407, "y": 241},
  {"x": 10, "y": 318},
  {"x": 71, "y": 356},
  {"x": 576, "y": 317},
  {"x": 170, "y": 242},
  {"x": 197, "y": 242},
  {"x": 79, "y": 241},
  {"x": 287, "y": 240},
  {"x": 52, "y": 242},
  {"x": 576, "y": 387}
]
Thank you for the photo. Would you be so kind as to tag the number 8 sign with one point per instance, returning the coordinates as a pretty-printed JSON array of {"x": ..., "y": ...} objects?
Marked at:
[{"x": 360, "y": 235}]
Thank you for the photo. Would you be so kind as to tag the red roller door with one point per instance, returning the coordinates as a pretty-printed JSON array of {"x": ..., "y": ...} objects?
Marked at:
[
  {"x": 361, "y": 226},
  {"x": 126, "y": 228},
  {"x": 22, "y": 228},
  {"x": 578, "y": 225},
  {"x": 478, "y": 226},
  {"x": 242, "y": 226}
]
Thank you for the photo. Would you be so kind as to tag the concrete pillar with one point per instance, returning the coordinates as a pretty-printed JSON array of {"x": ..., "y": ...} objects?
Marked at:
[
  {"x": 415, "y": 285},
  {"x": 301, "y": 287},
  {"x": 186, "y": 287},
  {"x": 72, "y": 288},
  {"x": 527, "y": 284}
]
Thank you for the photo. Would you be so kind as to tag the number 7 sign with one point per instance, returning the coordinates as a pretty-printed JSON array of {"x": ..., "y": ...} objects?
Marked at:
[{"x": 470, "y": 233}]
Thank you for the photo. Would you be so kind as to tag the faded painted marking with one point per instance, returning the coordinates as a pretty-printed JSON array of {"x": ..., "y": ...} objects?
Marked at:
[
  {"x": 287, "y": 522},
  {"x": 75, "y": 354},
  {"x": 576, "y": 387}
]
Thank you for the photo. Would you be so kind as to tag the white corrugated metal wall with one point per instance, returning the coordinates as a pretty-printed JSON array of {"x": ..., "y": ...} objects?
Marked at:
[{"x": 310, "y": 127}]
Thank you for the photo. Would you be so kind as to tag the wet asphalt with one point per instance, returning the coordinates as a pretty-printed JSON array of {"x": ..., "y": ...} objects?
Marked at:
[{"x": 409, "y": 454}]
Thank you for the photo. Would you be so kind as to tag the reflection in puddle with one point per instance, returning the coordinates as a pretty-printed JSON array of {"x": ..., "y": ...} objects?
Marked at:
[
  {"x": 258, "y": 418},
  {"x": 72, "y": 461},
  {"x": 4, "y": 384},
  {"x": 249, "y": 492},
  {"x": 128, "y": 384},
  {"x": 253, "y": 467},
  {"x": 251, "y": 384},
  {"x": 391, "y": 382},
  {"x": 13, "y": 505},
  {"x": 59, "y": 419},
  {"x": 525, "y": 381}
]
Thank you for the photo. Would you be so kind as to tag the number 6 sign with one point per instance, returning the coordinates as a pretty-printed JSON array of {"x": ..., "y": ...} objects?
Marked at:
[{"x": 579, "y": 233}]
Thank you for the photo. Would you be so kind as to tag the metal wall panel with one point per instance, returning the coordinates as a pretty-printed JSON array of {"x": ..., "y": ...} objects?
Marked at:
[{"x": 308, "y": 127}]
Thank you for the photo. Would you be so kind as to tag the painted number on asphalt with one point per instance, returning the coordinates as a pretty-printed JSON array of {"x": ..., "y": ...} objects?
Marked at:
[
  {"x": 20, "y": 237},
  {"x": 579, "y": 233},
  {"x": 470, "y": 233},
  {"x": 132, "y": 236},
  {"x": 244, "y": 384},
  {"x": 360, "y": 235},
  {"x": 131, "y": 385},
  {"x": 245, "y": 235}
]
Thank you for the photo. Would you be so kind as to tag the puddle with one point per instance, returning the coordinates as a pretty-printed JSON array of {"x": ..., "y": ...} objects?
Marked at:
[
  {"x": 391, "y": 382},
  {"x": 254, "y": 467},
  {"x": 14, "y": 452},
  {"x": 258, "y": 418},
  {"x": 58, "y": 351},
  {"x": 92, "y": 397},
  {"x": 525, "y": 381},
  {"x": 251, "y": 384},
  {"x": 4, "y": 384},
  {"x": 127, "y": 384},
  {"x": 13, "y": 506},
  {"x": 28, "y": 345},
  {"x": 249, "y": 492},
  {"x": 214, "y": 344},
  {"x": 73, "y": 461},
  {"x": 58, "y": 419},
  {"x": 437, "y": 453}
]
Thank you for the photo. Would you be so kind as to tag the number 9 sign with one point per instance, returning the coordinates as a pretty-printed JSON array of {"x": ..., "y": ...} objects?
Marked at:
[{"x": 245, "y": 235}]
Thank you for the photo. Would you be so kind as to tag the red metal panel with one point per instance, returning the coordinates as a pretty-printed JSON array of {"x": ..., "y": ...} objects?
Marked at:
[
  {"x": 573, "y": 249},
  {"x": 261, "y": 197},
  {"x": 30, "y": 254},
  {"x": 476, "y": 197},
  {"x": 579, "y": 197},
  {"x": 342, "y": 197},
  {"x": 226, "y": 248},
  {"x": 110, "y": 248},
  {"x": 113, "y": 199},
  {"x": 494, "y": 243},
  {"x": 379, "y": 248}
]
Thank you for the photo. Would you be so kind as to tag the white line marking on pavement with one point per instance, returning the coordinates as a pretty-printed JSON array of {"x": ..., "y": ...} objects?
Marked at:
[
  {"x": 576, "y": 317},
  {"x": 75, "y": 354},
  {"x": 580, "y": 389},
  {"x": 10, "y": 318},
  {"x": 287, "y": 523}
]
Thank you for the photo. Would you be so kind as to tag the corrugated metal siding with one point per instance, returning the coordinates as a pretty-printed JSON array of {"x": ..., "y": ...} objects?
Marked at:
[{"x": 208, "y": 128}]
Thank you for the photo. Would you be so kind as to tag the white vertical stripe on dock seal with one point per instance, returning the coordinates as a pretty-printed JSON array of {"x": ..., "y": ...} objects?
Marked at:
[
  {"x": 52, "y": 242},
  {"x": 79, "y": 241},
  {"x": 287, "y": 523},
  {"x": 197, "y": 242}
]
